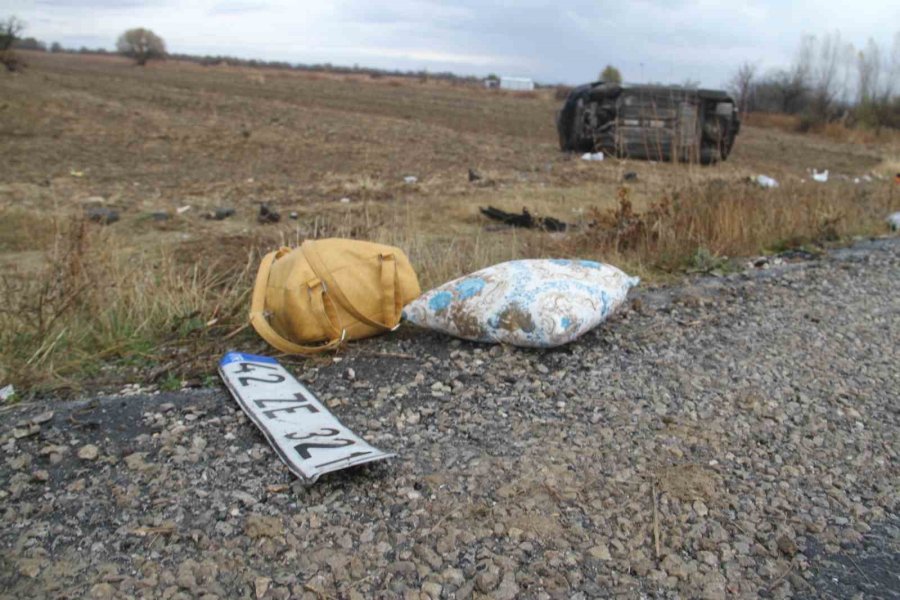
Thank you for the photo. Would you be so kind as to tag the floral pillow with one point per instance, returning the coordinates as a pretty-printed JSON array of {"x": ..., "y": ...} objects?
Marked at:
[{"x": 534, "y": 303}]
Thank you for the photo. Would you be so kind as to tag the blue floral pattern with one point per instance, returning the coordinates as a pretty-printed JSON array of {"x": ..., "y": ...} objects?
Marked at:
[{"x": 534, "y": 303}]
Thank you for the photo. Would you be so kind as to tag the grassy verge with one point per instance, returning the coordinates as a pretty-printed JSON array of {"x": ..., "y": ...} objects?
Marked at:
[
  {"x": 143, "y": 300},
  {"x": 721, "y": 219},
  {"x": 91, "y": 302},
  {"x": 95, "y": 306}
]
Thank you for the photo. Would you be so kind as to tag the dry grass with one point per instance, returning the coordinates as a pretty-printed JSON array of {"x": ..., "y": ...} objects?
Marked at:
[
  {"x": 835, "y": 132},
  {"x": 717, "y": 219},
  {"x": 92, "y": 302},
  {"x": 783, "y": 122},
  {"x": 140, "y": 298}
]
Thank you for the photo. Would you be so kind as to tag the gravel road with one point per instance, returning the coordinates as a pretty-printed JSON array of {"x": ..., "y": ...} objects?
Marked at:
[{"x": 729, "y": 437}]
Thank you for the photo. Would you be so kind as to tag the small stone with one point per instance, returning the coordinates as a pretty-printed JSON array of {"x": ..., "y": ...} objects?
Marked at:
[
  {"x": 102, "y": 591},
  {"x": 432, "y": 589},
  {"x": 262, "y": 586},
  {"x": 30, "y": 567},
  {"x": 88, "y": 452},
  {"x": 40, "y": 475},
  {"x": 53, "y": 449},
  {"x": 674, "y": 566},
  {"x": 708, "y": 557},
  {"x": 488, "y": 578},
  {"x": 642, "y": 567},
  {"x": 713, "y": 587},
  {"x": 42, "y": 418},
  {"x": 136, "y": 462},
  {"x": 243, "y": 497},
  {"x": 20, "y": 462},
  {"x": 508, "y": 589},
  {"x": 22, "y": 432},
  {"x": 787, "y": 546},
  {"x": 186, "y": 578},
  {"x": 600, "y": 552},
  {"x": 258, "y": 526}
]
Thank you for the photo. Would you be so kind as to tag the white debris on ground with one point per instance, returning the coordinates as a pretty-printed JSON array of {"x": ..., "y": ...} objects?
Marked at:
[
  {"x": 894, "y": 221},
  {"x": 7, "y": 392},
  {"x": 765, "y": 262},
  {"x": 410, "y": 179},
  {"x": 134, "y": 389},
  {"x": 765, "y": 181},
  {"x": 820, "y": 177},
  {"x": 595, "y": 156}
]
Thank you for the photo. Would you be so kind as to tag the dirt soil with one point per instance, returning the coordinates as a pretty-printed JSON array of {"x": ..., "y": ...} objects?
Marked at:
[
  {"x": 85, "y": 130},
  {"x": 730, "y": 437}
]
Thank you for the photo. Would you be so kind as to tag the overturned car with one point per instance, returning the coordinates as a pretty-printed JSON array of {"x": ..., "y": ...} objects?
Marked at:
[{"x": 653, "y": 122}]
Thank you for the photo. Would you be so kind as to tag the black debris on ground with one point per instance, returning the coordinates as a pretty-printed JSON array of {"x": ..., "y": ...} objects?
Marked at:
[
  {"x": 220, "y": 214},
  {"x": 102, "y": 215},
  {"x": 267, "y": 215},
  {"x": 525, "y": 219}
]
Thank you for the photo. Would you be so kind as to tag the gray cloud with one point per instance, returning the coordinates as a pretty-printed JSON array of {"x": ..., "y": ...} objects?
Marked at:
[{"x": 236, "y": 7}]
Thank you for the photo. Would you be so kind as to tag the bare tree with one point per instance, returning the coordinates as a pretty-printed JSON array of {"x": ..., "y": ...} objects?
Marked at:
[
  {"x": 741, "y": 85},
  {"x": 9, "y": 34},
  {"x": 891, "y": 85},
  {"x": 868, "y": 65},
  {"x": 801, "y": 70},
  {"x": 824, "y": 74},
  {"x": 141, "y": 45},
  {"x": 788, "y": 90},
  {"x": 848, "y": 64}
]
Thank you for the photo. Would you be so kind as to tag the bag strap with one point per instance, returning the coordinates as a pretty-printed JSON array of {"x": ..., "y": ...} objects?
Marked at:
[
  {"x": 261, "y": 323},
  {"x": 390, "y": 301}
]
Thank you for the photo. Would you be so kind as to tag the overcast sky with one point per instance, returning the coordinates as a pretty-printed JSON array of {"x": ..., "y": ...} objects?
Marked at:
[{"x": 648, "y": 40}]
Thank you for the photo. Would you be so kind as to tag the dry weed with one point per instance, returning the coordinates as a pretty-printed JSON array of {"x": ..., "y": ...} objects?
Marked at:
[
  {"x": 95, "y": 300},
  {"x": 719, "y": 218}
]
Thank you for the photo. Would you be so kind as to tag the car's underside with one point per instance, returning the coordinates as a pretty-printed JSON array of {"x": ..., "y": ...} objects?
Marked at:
[{"x": 649, "y": 122}]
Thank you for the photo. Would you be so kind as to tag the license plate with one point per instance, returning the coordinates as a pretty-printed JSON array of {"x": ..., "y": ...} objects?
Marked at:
[{"x": 307, "y": 437}]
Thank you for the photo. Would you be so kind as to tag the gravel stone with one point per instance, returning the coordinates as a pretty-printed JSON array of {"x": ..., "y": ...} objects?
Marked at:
[
  {"x": 600, "y": 552},
  {"x": 88, "y": 452}
]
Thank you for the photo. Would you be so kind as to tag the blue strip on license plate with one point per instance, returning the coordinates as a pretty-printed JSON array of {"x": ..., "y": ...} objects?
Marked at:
[{"x": 307, "y": 437}]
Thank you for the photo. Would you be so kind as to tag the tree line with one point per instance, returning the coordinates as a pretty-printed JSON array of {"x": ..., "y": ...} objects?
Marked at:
[
  {"x": 828, "y": 80},
  {"x": 144, "y": 45}
]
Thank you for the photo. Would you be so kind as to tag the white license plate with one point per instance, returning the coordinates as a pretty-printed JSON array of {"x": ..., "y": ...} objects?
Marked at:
[{"x": 308, "y": 439}]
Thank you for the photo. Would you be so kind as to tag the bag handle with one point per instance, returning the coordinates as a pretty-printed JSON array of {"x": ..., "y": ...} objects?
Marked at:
[
  {"x": 261, "y": 323},
  {"x": 390, "y": 302}
]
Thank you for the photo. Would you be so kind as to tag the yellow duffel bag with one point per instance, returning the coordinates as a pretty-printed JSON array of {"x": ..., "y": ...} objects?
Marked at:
[{"x": 329, "y": 291}]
